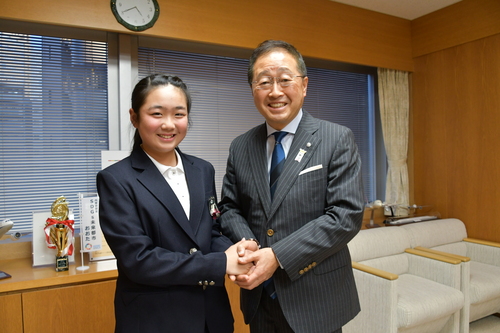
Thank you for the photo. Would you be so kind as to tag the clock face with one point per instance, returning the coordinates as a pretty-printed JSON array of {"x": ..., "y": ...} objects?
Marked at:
[{"x": 136, "y": 15}]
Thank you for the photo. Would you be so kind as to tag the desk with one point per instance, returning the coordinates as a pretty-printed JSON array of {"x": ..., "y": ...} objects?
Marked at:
[{"x": 35, "y": 299}]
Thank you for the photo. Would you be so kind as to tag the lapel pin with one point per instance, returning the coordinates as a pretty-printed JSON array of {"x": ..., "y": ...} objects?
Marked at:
[
  {"x": 308, "y": 145},
  {"x": 212, "y": 206},
  {"x": 299, "y": 156}
]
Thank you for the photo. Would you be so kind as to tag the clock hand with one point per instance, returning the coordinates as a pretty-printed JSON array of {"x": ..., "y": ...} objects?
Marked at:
[{"x": 135, "y": 7}]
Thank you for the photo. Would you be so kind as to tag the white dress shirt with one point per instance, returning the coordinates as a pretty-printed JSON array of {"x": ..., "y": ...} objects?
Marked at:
[{"x": 176, "y": 178}]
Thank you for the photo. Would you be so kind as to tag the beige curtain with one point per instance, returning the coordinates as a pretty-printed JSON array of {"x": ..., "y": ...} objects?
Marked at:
[{"x": 394, "y": 109}]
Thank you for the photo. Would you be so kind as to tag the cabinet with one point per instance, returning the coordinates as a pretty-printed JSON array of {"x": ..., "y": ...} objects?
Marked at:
[
  {"x": 42, "y": 300},
  {"x": 11, "y": 317},
  {"x": 81, "y": 308}
]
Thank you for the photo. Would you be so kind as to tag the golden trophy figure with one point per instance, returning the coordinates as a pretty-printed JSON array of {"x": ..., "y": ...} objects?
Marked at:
[{"x": 59, "y": 233}]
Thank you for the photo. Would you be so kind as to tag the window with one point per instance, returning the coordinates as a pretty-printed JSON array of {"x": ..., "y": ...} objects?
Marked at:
[
  {"x": 53, "y": 122},
  {"x": 223, "y": 105},
  {"x": 65, "y": 98}
]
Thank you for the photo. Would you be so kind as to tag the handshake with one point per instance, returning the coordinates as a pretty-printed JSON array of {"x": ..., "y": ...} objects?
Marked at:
[{"x": 248, "y": 266}]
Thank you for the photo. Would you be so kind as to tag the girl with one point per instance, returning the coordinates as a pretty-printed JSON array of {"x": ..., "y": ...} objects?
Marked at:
[{"x": 157, "y": 212}]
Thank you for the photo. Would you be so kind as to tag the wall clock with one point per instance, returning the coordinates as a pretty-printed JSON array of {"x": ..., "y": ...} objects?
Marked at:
[{"x": 136, "y": 15}]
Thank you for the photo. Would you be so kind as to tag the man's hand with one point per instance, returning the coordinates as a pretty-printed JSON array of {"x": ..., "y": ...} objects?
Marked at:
[
  {"x": 265, "y": 265},
  {"x": 233, "y": 253}
]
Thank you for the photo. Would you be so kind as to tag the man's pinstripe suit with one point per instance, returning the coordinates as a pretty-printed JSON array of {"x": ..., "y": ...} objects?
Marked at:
[{"x": 317, "y": 209}]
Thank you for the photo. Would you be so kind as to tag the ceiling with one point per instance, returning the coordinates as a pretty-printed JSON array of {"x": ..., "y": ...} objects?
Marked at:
[{"x": 407, "y": 9}]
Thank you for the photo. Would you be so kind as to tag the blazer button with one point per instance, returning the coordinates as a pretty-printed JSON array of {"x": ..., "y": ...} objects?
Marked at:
[
  {"x": 193, "y": 250},
  {"x": 270, "y": 232},
  {"x": 301, "y": 272}
]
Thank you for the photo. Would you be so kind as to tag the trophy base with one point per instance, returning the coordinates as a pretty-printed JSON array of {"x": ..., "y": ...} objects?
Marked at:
[{"x": 62, "y": 263}]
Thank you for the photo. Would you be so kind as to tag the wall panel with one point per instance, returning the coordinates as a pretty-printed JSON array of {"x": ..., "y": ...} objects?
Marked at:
[
  {"x": 463, "y": 22},
  {"x": 323, "y": 30},
  {"x": 456, "y": 99}
]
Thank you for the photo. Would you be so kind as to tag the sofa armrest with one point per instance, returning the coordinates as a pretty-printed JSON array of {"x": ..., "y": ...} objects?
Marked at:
[
  {"x": 377, "y": 290},
  {"x": 483, "y": 251},
  {"x": 464, "y": 283},
  {"x": 441, "y": 253},
  {"x": 438, "y": 268},
  {"x": 374, "y": 271},
  {"x": 434, "y": 256},
  {"x": 482, "y": 242}
]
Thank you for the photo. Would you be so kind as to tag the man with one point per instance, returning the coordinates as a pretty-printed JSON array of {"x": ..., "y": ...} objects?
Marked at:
[{"x": 316, "y": 207}]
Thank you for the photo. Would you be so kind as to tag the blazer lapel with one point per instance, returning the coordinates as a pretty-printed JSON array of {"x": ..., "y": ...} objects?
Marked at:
[
  {"x": 305, "y": 141},
  {"x": 257, "y": 158},
  {"x": 196, "y": 196},
  {"x": 158, "y": 186}
]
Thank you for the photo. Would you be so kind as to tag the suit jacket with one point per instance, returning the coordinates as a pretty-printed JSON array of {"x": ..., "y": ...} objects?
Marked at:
[
  {"x": 317, "y": 209},
  {"x": 171, "y": 269}
]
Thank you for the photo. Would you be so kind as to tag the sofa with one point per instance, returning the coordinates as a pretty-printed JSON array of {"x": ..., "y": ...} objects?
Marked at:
[
  {"x": 480, "y": 266},
  {"x": 403, "y": 289}
]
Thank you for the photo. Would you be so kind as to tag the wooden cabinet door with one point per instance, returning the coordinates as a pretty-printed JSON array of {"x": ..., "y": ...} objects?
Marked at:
[
  {"x": 11, "y": 316},
  {"x": 80, "y": 308}
]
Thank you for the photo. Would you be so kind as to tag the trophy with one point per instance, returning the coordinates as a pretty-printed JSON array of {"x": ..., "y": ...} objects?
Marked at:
[{"x": 59, "y": 233}]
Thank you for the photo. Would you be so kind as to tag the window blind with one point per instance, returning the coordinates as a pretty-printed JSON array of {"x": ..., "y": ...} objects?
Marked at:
[
  {"x": 223, "y": 105},
  {"x": 53, "y": 122},
  {"x": 346, "y": 98}
]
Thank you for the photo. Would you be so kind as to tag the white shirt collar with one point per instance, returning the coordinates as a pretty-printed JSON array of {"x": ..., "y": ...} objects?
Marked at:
[
  {"x": 179, "y": 168},
  {"x": 291, "y": 127}
]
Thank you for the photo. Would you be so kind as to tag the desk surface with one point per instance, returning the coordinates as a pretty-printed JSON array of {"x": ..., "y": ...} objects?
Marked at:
[{"x": 25, "y": 277}]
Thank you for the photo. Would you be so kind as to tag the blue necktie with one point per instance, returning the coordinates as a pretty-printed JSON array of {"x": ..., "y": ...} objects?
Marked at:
[{"x": 277, "y": 161}]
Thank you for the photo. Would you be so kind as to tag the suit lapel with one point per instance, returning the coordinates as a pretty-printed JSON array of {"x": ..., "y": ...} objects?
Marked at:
[
  {"x": 153, "y": 180},
  {"x": 306, "y": 141},
  {"x": 257, "y": 157}
]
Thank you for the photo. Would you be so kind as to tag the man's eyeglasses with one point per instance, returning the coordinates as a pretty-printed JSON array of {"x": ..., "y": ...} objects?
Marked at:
[{"x": 267, "y": 82}]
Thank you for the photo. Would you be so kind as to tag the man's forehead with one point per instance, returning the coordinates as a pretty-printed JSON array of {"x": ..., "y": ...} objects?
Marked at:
[{"x": 275, "y": 69}]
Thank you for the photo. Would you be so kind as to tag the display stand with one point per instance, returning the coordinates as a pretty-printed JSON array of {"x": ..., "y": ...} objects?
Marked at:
[
  {"x": 375, "y": 205},
  {"x": 82, "y": 267}
]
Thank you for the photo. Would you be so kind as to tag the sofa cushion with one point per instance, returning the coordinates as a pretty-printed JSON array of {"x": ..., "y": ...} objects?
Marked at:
[{"x": 484, "y": 282}]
